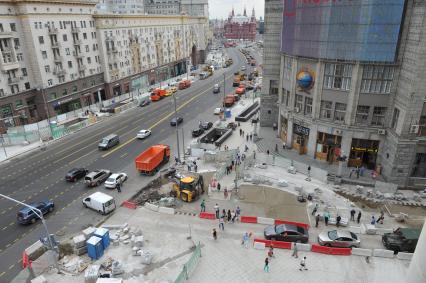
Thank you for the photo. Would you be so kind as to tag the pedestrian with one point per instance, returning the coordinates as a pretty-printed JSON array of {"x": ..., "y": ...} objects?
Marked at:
[
  {"x": 309, "y": 170},
  {"x": 214, "y": 234},
  {"x": 267, "y": 152},
  {"x": 246, "y": 148},
  {"x": 373, "y": 220},
  {"x": 350, "y": 174},
  {"x": 361, "y": 171},
  {"x": 357, "y": 172},
  {"x": 338, "y": 219},
  {"x": 315, "y": 209},
  {"x": 295, "y": 250},
  {"x": 245, "y": 240},
  {"x": 225, "y": 193},
  {"x": 218, "y": 186},
  {"x": 284, "y": 145},
  {"x": 271, "y": 252},
  {"x": 229, "y": 215},
  {"x": 247, "y": 137},
  {"x": 251, "y": 137},
  {"x": 380, "y": 219},
  {"x": 118, "y": 186},
  {"x": 241, "y": 131},
  {"x": 353, "y": 214},
  {"x": 233, "y": 216},
  {"x": 238, "y": 211},
  {"x": 303, "y": 264},
  {"x": 221, "y": 224},
  {"x": 358, "y": 217},
  {"x": 254, "y": 154},
  {"x": 223, "y": 214},
  {"x": 216, "y": 209},
  {"x": 203, "y": 206},
  {"x": 326, "y": 217},
  {"x": 317, "y": 219},
  {"x": 266, "y": 267},
  {"x": 276, "y": 147}
]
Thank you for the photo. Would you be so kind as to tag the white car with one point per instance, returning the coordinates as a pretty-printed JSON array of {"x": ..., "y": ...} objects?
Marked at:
[
  {"x": 114, "y": 179},
  {"x": 217, "y": 111},
  {"x": 143, "y": 134}
]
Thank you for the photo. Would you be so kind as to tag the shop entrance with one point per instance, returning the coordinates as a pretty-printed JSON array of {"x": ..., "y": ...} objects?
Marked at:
[
  {"x": 300, "y": 138},
  {"x": 363, "y": 153},
  {"x": 69, "y": 106},
  {"x": 328, "y": 147}
]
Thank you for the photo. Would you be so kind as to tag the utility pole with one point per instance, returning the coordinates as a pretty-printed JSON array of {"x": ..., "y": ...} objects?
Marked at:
[
  {"x": 224, "y": 86},
  {"x": 4, "y": 148},
  {"x": 47, "y": 111},
  {"x": 183, "y": 144},
  {"x": 39, "y": 214},
  {"x": 177, "y": 129}
]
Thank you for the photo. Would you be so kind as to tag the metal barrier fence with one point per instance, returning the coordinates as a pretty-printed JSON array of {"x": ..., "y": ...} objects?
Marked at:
[{"x": 190, "y": 265}]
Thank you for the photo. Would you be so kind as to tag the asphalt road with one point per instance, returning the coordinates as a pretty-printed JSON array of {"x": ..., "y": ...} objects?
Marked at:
[{"x": 39, "y": 175}]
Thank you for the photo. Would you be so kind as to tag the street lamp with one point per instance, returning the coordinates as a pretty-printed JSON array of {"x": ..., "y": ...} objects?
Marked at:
[
  {"x": 177, "y": 129},
  {"x": 46, "y": 108},
  {"x": 39, "y": 214}
]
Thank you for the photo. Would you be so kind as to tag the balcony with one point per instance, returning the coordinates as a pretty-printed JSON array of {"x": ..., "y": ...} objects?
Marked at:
[
  {"x": 75, "y": 30},
  {"x": 56, "y": 44},
  {"x": 112, "y": 50},
  {"x": 82, "y": 67},
  {"x": 79, "y": 55},
  {"x": 53, "y": 31},
  {"x": 59, "y": 72},
  {"x": 5, "y": 34},
  {"x": 58, "y": 59},
  {"x": 78, "y": 42},
  {"x": 13, "y": 81},
  {"x": 8, "y": 66}
]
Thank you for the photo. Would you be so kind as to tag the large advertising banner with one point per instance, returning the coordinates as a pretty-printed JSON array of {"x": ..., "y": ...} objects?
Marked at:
[{"x": 361, "y": 30}]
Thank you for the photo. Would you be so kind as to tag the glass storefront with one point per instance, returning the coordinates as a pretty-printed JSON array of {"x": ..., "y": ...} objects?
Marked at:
[
  {"x": 300, "y": 138},
  {"x": 283, "y": 133},
  {"x": 328, "y": 147},
  {"x": 363, "y": 153}
]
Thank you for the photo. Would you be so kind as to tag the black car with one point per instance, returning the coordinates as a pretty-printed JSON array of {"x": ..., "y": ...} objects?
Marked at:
[
  {"x": 402, "y": 240},
  {"x": 27, "y": 216},
  {"x": 173, "y": 121},
  {"x": 75, "y": 174},
  {"x": 206, "y": 125},
  {"x": 287, "y": 233},
  {"x": 198, "y": 132}
]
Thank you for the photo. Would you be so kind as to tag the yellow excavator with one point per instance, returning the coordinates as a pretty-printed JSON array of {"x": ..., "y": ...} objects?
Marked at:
[{"x": 188, "y": 188}]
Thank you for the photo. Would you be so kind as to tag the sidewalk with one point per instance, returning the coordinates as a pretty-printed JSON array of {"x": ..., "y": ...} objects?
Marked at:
[
  {"x": 7, "y": 152},
  {"x": 268, "y": 139}
]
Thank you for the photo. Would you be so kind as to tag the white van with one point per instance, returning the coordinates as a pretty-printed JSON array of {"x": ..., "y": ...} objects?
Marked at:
[{"x": 100, "y": 202}]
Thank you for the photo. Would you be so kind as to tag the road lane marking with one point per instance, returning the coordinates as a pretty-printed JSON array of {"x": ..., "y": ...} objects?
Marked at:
[
  {"x": 4, "y": 228},
  {"x": 123, "y": 155},
  {"x": 12, "y": 266},
  {"x": 3, "y": 273},
  {"x": 75, "y": 160}
]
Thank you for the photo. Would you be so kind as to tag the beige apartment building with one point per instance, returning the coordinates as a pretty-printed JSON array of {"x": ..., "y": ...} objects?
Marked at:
[{"x": 57, "y": 56}]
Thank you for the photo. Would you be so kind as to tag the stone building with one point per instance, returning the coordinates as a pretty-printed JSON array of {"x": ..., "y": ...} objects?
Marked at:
[
  {"x": 196, "y": 8},
  {"x": 57, "y": 55},
  {"x": 240, "y": 26},
  {"x": 346, "y": 96}
]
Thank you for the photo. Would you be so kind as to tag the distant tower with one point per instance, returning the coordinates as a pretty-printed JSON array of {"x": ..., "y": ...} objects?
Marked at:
[
  {"x": 253, "y": 16},
  {"x": 245, "y": 12},
  {"x": 232, "y": 13}
]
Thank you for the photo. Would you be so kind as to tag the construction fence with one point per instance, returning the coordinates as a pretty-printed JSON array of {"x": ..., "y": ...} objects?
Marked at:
[{"x": 190, "y": 265}]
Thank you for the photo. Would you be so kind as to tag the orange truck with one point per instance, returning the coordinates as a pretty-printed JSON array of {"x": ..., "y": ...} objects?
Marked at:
[
  {"x": 148, "y": 162},
  {"x": 184, "y": 84},
  {"x": 240, "y": 90},
  {"x": 158, "y": 94},
  {"x": 229, "y": 100}
]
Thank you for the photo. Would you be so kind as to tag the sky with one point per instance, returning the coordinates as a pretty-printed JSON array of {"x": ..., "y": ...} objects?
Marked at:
[{"x": 220, "y": 9}]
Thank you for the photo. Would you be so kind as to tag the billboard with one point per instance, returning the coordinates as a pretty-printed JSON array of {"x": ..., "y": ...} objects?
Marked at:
[{"x": 361, "y": 30}]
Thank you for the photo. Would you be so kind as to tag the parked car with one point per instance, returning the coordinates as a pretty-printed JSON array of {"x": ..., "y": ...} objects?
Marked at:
[
  {"x": 175, "y": 121},
  {"x": 206, "y": 125},
  {"x": 232, "y": 125},
  {"x": 243, "y": 68},
  {"x": 114, "y": 179},
  {"x": 401, "y": 240},
  {"x": 143, "y": 134},
  {"x": 218, "y": 110},
  {"x": 26, "y": 215},
  {"x": 100, "y": 202},
  {"x": 287, "y": 233},
  {"x": 339, "y": 239},
  {"x": 197, "y": 132},
  {"x": 95, "y": 178},
  {"x": 75, "y": 174}
]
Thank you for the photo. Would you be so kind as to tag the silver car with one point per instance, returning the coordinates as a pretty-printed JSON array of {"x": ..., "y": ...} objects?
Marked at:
[{"x": 339, "y": 239}]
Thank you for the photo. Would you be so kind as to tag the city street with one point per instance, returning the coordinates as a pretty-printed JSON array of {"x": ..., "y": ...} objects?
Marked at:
[{"x": 39, "y": 175}]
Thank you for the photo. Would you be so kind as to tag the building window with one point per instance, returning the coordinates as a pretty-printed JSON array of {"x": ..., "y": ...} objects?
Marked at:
[
  {"x": 326, "y": 109},
  {"x": 49, "y": 82},
  {"x": 339, "y": 112},
  {"x": 67, "y": 51},
  {"x": 378, "y": 116},
  {"x": 337, "y": 76},
  {"x": 27, "y": 85},
  {"x": 16, "y": 42},
  {"x": 87, "y": 48},
  {"x": 19, "y": 103},
  {"x": 287, "y": 68},
  {"x": 89, "y": 60},
  {"x": 308, "y": 106},
  {"x": 74, "y": 88},
  {"x": 44, "y": 54},
  {"x": 47, "y": 69},
  {"x": 24, "y": 72},
  {"x": 298, "y": 103},
  {"x": 362, "y": 112},
  {"x": 41, "y": 40},
  {"x": 64, "y": 37},
  {"x": 377, "y": 79},
  {"x": 84, "y": 35},
  {"x": 69, "y": 64},
  {"x": 395, "y": 118},
  {"x": 12, "y": 26},
  {"x": 64, "y": 92},
  {"x": 273, "y": 88}
]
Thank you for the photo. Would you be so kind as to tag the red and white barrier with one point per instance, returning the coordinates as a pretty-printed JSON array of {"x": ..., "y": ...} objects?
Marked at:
[
  {"x": 207, "y": 215},
  {"x": 331, "y": 251}
]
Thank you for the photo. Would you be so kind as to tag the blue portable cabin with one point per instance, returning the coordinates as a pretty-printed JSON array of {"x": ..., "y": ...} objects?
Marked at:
[
  {"x": 95, "y": 247},
  {"x": 104, "y": 235}
]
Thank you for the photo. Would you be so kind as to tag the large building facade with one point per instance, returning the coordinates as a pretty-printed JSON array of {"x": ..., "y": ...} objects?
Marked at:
[
  {"x": 240, "y": 26},
  {"x": 57, "y": 56},
  {"x": 351, "y": 83},
  {"x": 196, "y": 8}
]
